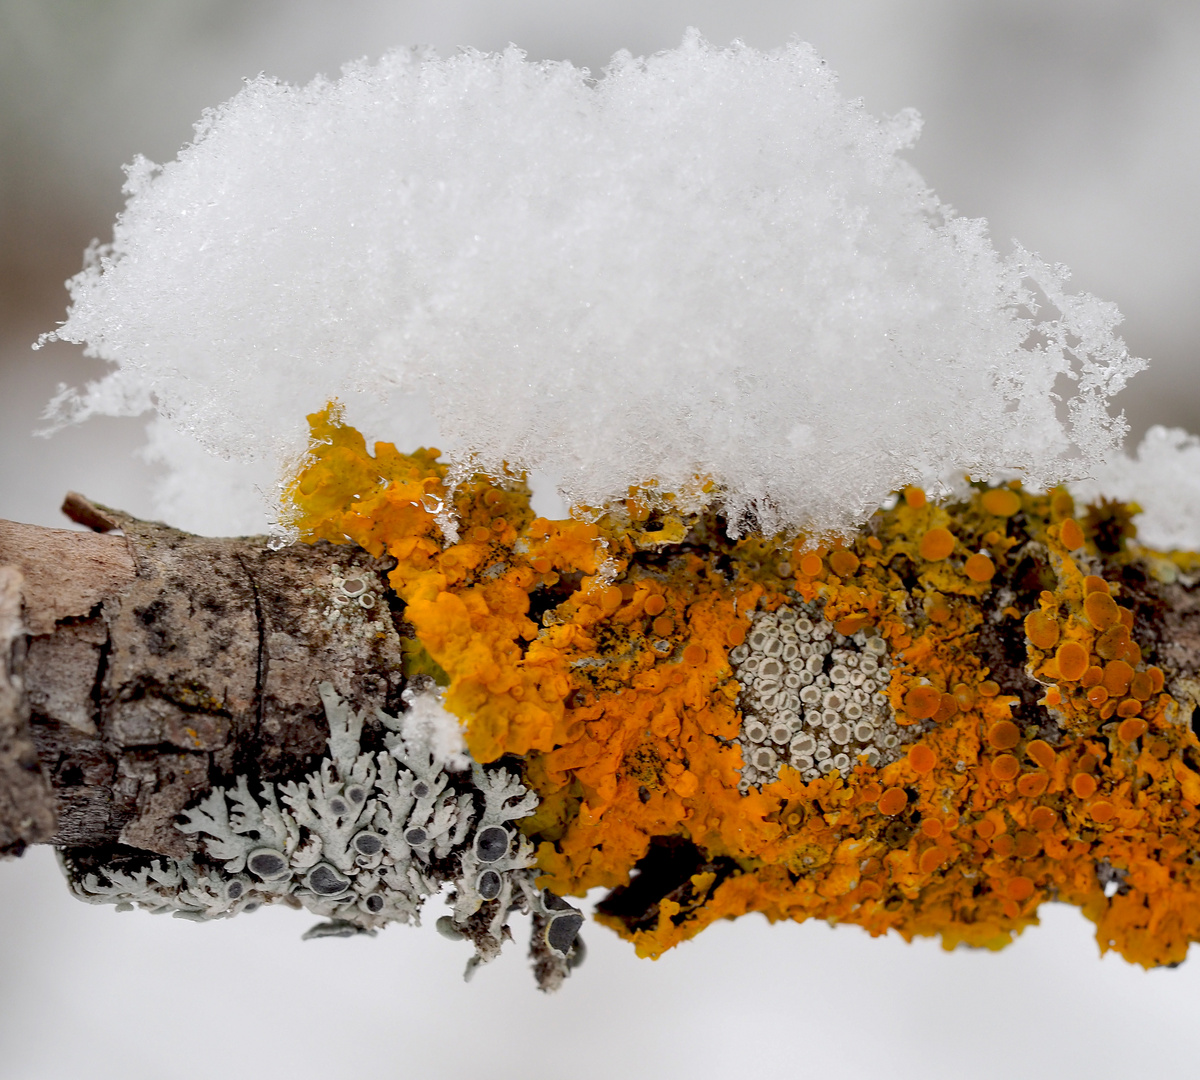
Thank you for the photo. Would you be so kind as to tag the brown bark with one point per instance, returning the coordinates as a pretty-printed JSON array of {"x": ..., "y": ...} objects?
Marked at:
[
  {"x": 153, "y": 665},
  {"x": 158, "y": 664}
]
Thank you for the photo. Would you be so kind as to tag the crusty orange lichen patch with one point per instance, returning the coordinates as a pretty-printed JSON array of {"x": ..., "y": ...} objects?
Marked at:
[{"x": 614, "y": 659}]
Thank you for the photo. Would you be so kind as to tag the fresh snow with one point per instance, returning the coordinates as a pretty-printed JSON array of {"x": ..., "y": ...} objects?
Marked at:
[{"x": 704, "y": 264}]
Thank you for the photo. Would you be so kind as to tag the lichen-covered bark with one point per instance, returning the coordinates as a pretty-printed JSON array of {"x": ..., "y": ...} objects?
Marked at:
[{"x": 159, "y": 664}]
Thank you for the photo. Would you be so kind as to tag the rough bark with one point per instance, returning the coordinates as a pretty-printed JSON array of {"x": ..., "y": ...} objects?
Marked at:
[{"x": 158, "y": 664}]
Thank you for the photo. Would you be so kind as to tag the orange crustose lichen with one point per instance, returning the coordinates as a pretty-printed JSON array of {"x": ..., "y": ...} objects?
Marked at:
[{"x": 598, "y": 655}]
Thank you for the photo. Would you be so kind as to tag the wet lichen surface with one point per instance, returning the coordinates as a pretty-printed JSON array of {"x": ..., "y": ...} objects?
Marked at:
[{"x": 931, "y": 727}]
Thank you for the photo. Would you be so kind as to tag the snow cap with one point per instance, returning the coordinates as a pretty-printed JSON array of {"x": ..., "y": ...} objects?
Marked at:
[{"x": 704, "y": 265}]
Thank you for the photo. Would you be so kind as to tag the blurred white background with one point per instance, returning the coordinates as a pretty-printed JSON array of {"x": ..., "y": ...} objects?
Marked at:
[{"x": 1073, "y": 125}]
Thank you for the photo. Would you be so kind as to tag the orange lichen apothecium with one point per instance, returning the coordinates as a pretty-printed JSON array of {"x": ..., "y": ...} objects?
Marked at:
[{"x": 765, "y": 725}]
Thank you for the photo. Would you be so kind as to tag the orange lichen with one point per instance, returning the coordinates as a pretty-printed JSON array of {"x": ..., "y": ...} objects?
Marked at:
[
  {"x": 922, "y": 702},
  {"x": 1071, "y": 660},
  {"x": 1003, "y": 735},
  {"x": 937, "y": 544},
  {"x": 1005, "y": 767},
  {"x": 1031, "y": 785},
  {"x": 1101, "y": 610},
  {"x": 1042, "y": 818},
  {"x": 892, "y": 801},
  {"x": 979, "y": 567},
  {"x": 1133, "y": 728},
  {"x": 1042, "y": 630},
  {"x": 1117, "y": 677},
  {"x": 1070, "y": 534},
  {"x": 597, "y": 654},
  {"x": 811, "y": 566},
  {"x": 1043, "y": 753},
  {"x": 931, "y": 859},
  {"x": 921, "y": 759},
  {"x": 1141, "y": 686},
  {"x": 946, "y": 709},
  {"x": 1019, "y": 888},
  {"x": 1001, "y": 502},
  {"x": 843, "y": 563}
]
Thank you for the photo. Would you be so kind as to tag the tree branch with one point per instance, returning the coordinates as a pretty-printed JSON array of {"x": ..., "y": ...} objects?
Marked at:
[{"x": 154, "y": 666}]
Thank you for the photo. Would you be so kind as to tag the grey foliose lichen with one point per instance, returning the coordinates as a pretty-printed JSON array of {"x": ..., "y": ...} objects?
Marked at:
[{"x": 364, "y": 840}]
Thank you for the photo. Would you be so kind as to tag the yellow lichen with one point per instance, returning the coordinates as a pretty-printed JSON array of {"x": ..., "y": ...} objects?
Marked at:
[{"x": 598, "y": 653}]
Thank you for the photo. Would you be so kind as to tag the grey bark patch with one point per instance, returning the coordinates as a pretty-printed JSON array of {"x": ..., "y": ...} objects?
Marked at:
[
  {"x": 183, "y": 661},
  {"x": 67, "y": 574},
  {"x": 27, "y": 807},
  {"x": 166, "y": 783},
  {"x": 61, "y": 671},
  {"x": 152, "y": 721}
]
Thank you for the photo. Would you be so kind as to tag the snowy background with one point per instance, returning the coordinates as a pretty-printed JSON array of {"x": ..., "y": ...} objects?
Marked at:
[{"x": 1073, "y": 126}]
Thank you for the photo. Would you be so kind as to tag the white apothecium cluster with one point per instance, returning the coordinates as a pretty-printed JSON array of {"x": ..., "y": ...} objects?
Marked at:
[{"x": 811, "y": 698}]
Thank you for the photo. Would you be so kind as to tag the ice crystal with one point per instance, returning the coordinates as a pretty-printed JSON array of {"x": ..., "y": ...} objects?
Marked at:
[
  {"x": 706, "y": 265},
  {"x": 1163, "y": 479}
]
